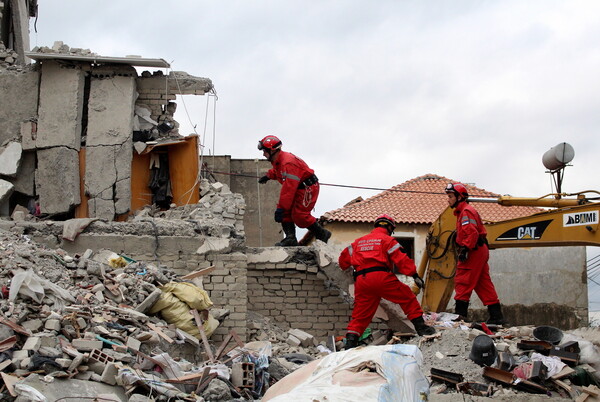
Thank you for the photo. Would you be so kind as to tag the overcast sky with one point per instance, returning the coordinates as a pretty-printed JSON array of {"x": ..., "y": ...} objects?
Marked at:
[{"x": 373, "y": 93}]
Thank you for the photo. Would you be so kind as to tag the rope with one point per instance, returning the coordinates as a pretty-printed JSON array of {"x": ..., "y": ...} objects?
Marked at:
[{"x": 356, "y": 187}]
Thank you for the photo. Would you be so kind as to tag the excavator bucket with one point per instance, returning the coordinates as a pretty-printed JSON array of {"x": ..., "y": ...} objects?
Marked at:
[{"x": 439, "y": 263}]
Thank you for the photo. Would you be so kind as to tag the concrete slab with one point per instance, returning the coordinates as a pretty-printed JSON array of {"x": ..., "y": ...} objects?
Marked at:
[
  {"x": 71, "y": 389},
  {"x": 61, "y": 106},
  {"x": 10, "y": 159},
  {"x": 214, "y": 245},
  {"x": 269, "y": 254},
  {"x": 57, "y": 179},
  {"x": 6, "y": 189},
  {"x": 25, "y": 181}
]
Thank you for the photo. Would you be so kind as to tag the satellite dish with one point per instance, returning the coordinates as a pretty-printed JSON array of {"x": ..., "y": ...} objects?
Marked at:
[{"x": 558, "y": 157}]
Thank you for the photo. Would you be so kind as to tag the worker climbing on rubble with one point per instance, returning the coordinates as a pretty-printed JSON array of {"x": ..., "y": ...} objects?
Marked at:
[
  {"x": 299, "y": 192},
  {"x": 373, "y": 258},
  {"x": 472, "y": 269}
]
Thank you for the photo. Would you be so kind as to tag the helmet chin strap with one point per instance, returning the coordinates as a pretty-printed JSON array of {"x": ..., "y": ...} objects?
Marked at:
[
  {"x": 458, "y": 201},
  {"x": 272, "y": 154}
]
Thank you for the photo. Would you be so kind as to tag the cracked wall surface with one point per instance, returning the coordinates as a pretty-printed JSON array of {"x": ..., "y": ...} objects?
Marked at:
[{"x": 109, "y": 146}]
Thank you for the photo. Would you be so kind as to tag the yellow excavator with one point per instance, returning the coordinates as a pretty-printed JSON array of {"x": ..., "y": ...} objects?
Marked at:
[{"x": 567, "y": 220}]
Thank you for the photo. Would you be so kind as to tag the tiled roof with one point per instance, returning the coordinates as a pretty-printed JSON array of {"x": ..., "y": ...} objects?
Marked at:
[{"x": 421, "y": 201}]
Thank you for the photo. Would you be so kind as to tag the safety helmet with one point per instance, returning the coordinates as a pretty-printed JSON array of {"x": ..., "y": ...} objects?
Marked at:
[
  {"x": 458, "y": 189},
  {"x": 269, "y": 143},
  {"x": 386, "y": 221},
  {"x": 483, "y": 350}
]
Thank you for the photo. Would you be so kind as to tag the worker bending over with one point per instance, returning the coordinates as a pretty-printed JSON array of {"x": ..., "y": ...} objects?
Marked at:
[
  {"x": 373, "y": 258},
  {"x": 472, "y": 269},
  {"x": 299, "y": 191}
]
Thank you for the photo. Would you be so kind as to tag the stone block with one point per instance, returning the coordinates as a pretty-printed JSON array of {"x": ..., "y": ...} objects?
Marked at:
[
  {"x": 32, "y": 343},
  {"x": 6, "y": 189},
  {"x": 52, "y": 325},
  {"x": 293, "y": 341}
]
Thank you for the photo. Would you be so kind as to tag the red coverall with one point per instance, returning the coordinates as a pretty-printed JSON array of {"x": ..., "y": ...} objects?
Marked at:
[
  {"x": 290, "y": 171},
  {"x": 474, "y": 273},
  {"x": 378, "y": 249}
]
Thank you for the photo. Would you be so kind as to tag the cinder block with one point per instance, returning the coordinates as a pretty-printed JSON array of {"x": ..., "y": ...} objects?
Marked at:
[{"x": 133, "y": 343}]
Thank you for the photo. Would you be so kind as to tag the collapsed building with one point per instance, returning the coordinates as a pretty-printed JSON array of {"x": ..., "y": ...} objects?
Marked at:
[{"x": 80, "y": 138}]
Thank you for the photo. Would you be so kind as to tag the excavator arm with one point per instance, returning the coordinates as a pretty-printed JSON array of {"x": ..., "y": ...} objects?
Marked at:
[{"x": 572, "y": 222}]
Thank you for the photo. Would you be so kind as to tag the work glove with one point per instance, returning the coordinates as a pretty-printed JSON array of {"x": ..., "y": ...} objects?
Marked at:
[
  {"x": 279, "y": 215},
  {"x": 263, "y": 179},
  {"x": 463, "y": 254},
  {"x": 418, "y": 281}
]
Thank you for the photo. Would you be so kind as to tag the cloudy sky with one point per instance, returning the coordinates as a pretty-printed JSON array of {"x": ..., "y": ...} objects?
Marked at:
[{"x": 373, "y": 93}]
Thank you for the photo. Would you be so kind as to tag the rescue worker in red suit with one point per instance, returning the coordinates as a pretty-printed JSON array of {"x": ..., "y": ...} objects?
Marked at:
[
  {"x": 472, "y": 269},
  {"x": 299, "y": 192},
  {"x": 373, "y": 258}
]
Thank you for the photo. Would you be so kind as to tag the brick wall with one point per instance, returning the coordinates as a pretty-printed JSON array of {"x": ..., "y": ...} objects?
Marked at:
[{"x": 295, "y": 296}]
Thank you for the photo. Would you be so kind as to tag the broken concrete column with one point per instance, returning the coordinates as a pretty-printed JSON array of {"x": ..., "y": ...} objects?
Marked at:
[
  {"x": 57, "y": 179},
  {"x": 109, "y": 146},
  {"x": 61, "y": 106}
]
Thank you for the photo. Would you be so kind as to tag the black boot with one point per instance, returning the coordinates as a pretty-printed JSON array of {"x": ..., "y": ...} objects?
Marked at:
[
  {"x": 461, "y": 308},
  {"x": 320, "y": 233},
  {"x": 421, "y": 327},
  {"x": 290, "y": 235},
  {"x": 351, "y": 341},
  {"x": 496, "y": 316}
]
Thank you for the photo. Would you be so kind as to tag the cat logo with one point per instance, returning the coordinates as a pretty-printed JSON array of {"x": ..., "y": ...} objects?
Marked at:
[
  {"x": 580, "y": 219},
  {"x": 533, "y": 231}
]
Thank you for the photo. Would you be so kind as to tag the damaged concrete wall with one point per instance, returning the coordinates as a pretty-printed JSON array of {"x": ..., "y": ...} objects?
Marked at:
[
  {"x": 109, "y": 146},
  {"x": 18, "y": 102},
  {"x": 57, "y": 179},
  {"x": 261, "y": 229}
]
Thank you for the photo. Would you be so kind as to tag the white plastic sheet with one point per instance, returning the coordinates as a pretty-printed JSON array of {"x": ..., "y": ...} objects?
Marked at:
[{"x": 398, "y": 377}]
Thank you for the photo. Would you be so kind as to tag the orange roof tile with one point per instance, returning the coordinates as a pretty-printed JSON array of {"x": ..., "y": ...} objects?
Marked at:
[{"x": 420, "y": 201}]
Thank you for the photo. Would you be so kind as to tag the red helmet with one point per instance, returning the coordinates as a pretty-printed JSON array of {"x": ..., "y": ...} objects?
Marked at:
[
  {"x": 458, "y": 189},
  {"x": 270, "y": 143},
  {"x": 386, "y": 221}
]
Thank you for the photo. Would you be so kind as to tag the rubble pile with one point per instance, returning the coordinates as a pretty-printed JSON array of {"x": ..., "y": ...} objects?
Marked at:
[
  {"x": 82, "y": 319},
  {"x": 60, "y": 47},
  {"x": 521, "y": 365},
  {"x": 219, "y": 212},
  {"x": 8, "y": 57}
]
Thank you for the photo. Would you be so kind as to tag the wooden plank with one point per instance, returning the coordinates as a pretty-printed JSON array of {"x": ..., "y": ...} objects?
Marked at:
[
  {"x": 202, "y": 379},
  {"x": 223, "y": 346},
  {"x": 203, "y": 335},
  {"x": 198, "y": 273},
  {"x": 592, "y": 390},
  {"x": 160, "y": 333}
]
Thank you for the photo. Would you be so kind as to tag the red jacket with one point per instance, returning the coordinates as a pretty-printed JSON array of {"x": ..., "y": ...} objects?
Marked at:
[
  {"x": 290, "y": 171},
  {"x": 377, "y": 249},
  {"x": 469, "y": 227}
]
